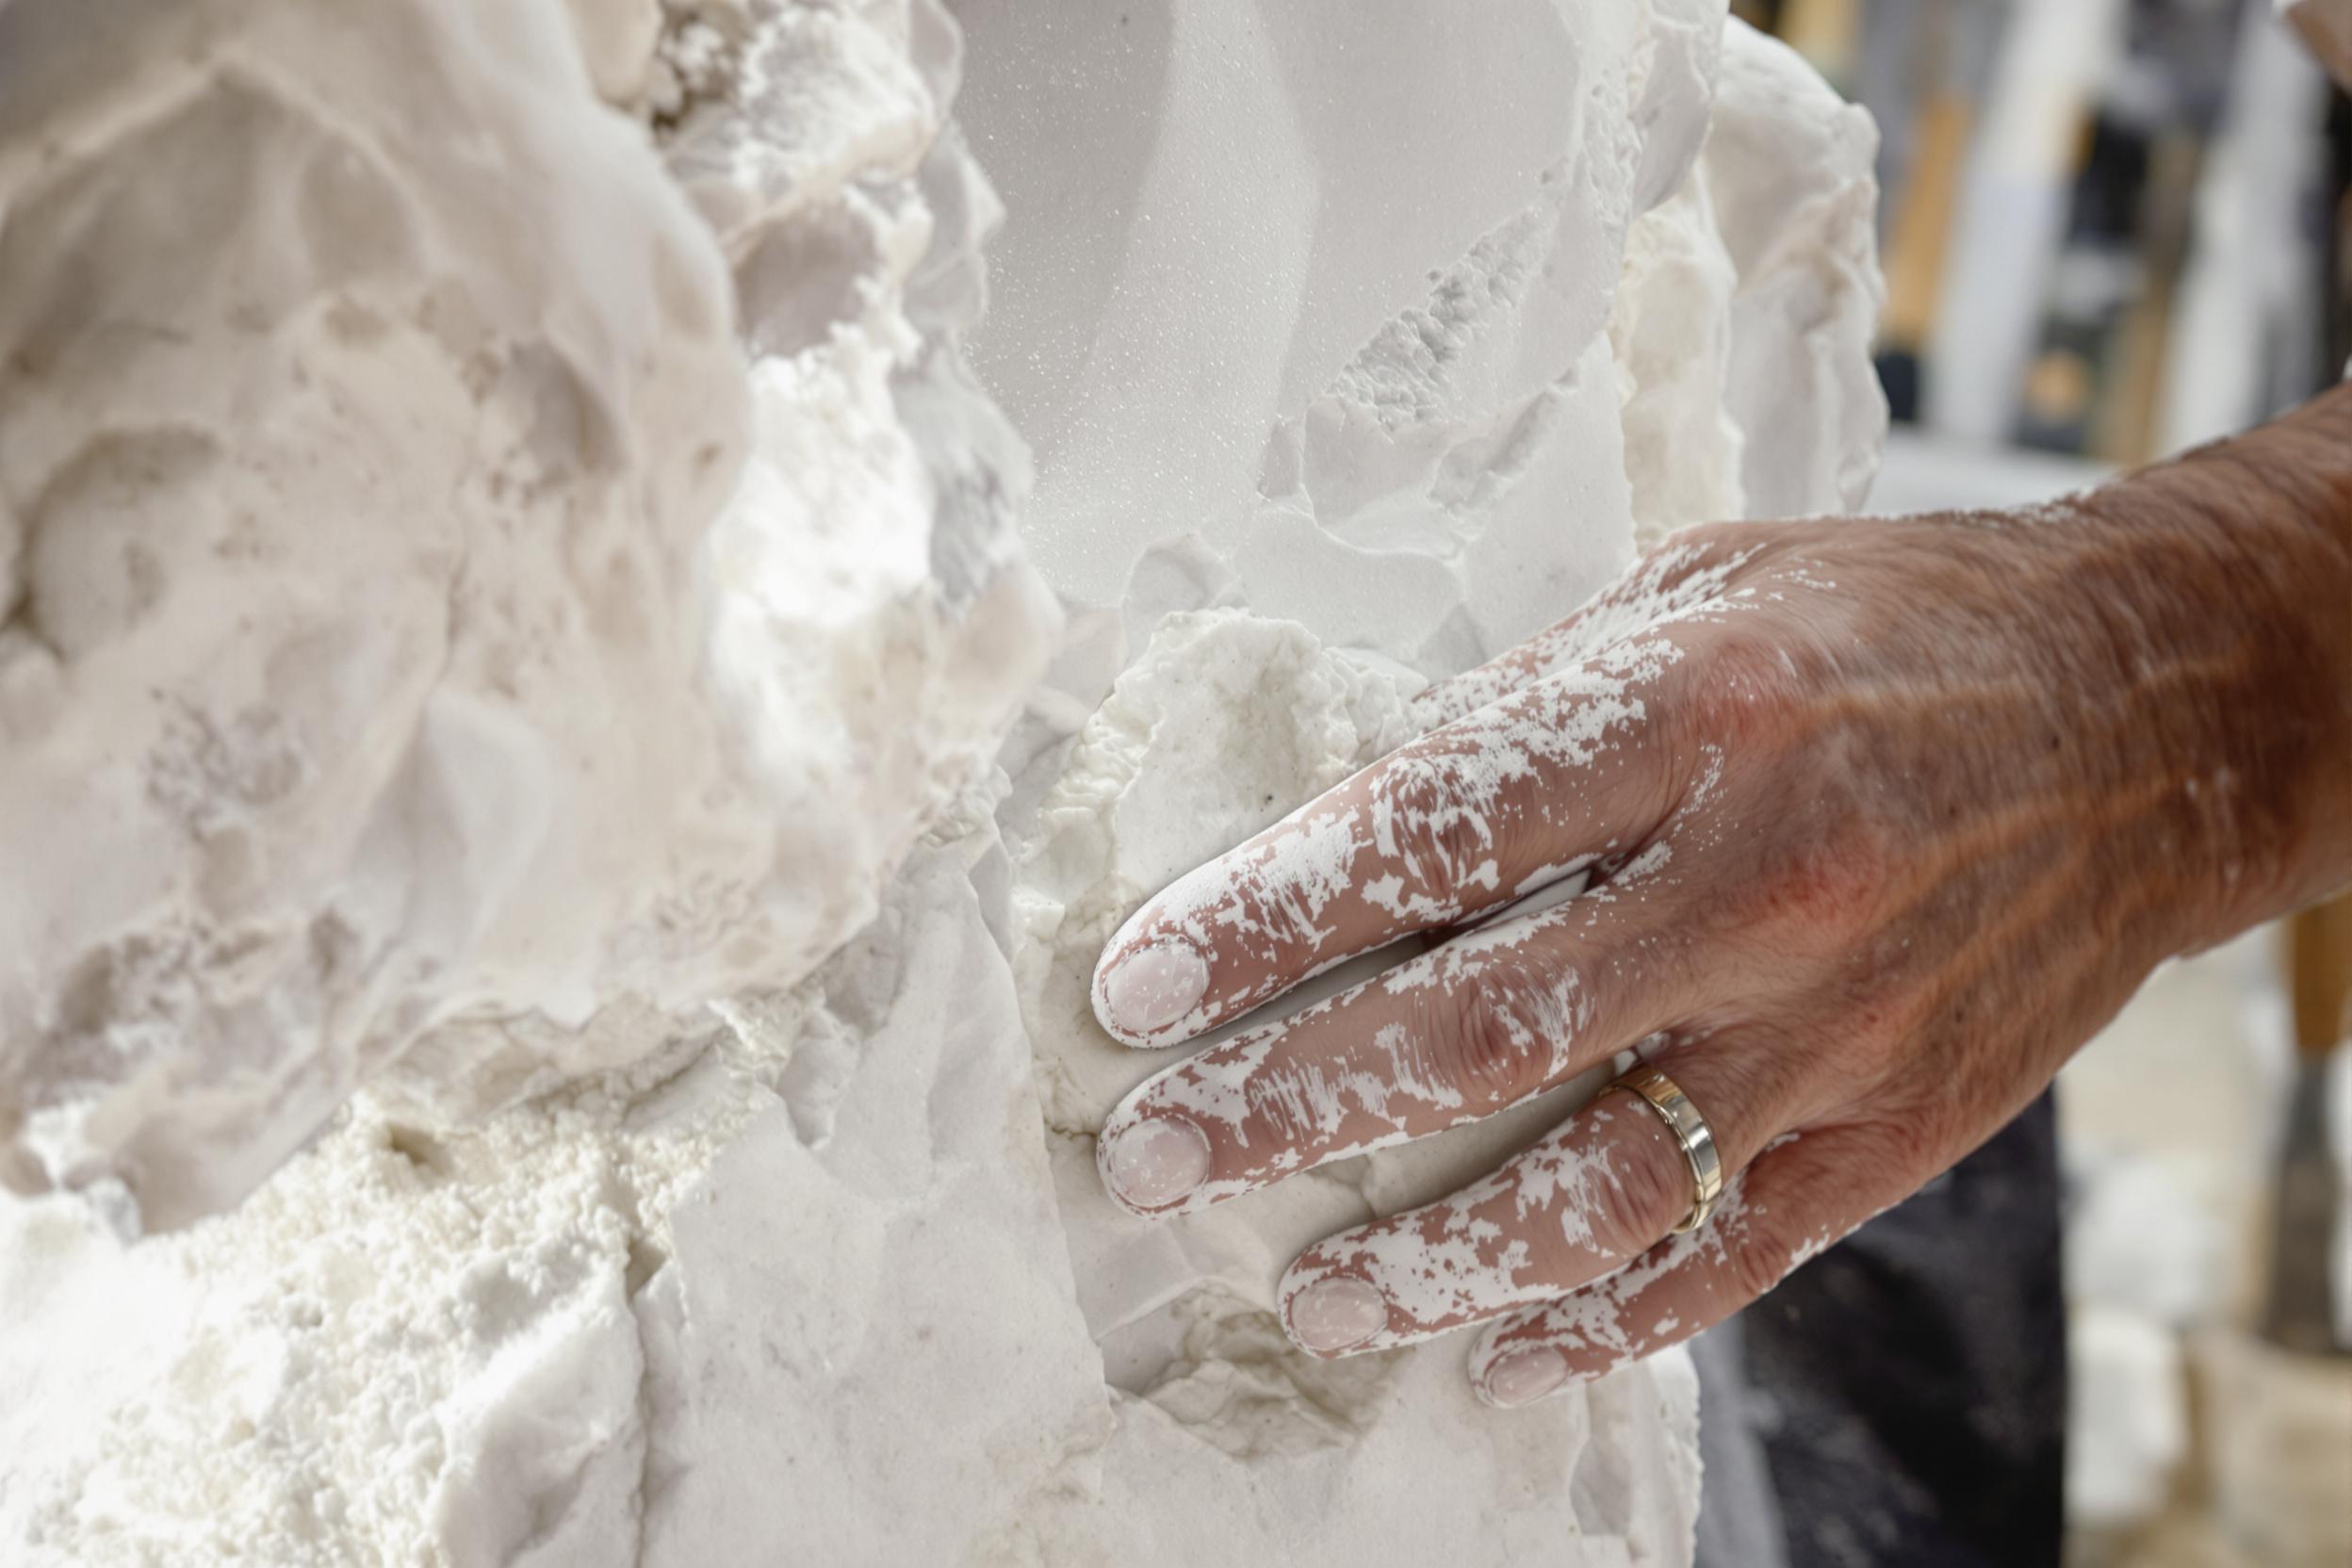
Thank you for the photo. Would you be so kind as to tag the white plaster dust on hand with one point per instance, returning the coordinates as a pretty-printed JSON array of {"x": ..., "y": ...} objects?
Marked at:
[
  {"x": 1555, "y": 766},
  {"x": 809, "y": 1255},
  {"x": 1573, "y": 1208},
  {"x": 1834, "y": 842},
  {"x": 1157, "y": 985},
  {"x": 1549, "y": 764},
  {"x": 1563, "y": 1240},
  {"x": 1564, "y": 767},
  {"x": 1402, "y": 1055},
  {"x": 1693, "y": 1281}
]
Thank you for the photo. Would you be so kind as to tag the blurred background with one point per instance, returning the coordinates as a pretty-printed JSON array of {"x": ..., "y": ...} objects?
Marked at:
[{"x": 2113, "y": 229}]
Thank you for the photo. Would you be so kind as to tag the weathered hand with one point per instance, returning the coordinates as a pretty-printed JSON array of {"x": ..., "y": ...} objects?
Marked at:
[{"x": 1882, "y": 820}]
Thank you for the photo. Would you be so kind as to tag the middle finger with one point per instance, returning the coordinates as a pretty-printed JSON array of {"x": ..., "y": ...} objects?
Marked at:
[
  {"x": 1450, "y": 1036},
  {"x": 1463, "y": 821}
]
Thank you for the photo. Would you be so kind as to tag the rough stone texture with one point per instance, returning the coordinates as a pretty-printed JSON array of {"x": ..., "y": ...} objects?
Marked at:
[
  {"x": 645, "y": 1242},
  {"x": 387, "y": 668},
  {"x": 1361, "y": 452}
]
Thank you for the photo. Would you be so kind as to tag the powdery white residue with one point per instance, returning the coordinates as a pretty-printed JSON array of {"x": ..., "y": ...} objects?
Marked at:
[
  {"x": 597, "y": 1329},
  {"x": 1456, "y": 474},
  {"x": 1665, "y": 587},
  {"x": 1401, "y": 1083},
  {"x": 1616, "y": 1316},
  {"x": 1610, "y": 1315},
  {"x": 1218, "y": 728},
  {"x": 1406, "y": 436},
  {"x": 1530, "y": 775},
  {"x": 1452, "y": 1263},
  {"x": 472, "y": 752},
  {"x": 503, "y": 742},
  {"x": 350, "y": 519},
  {"x": 1217, "y": 716},
  {"x": 1790, "y": 174}
]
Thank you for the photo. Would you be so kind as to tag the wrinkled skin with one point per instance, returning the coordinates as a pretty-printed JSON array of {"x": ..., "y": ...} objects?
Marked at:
[{"x": 1881, "y": 820}]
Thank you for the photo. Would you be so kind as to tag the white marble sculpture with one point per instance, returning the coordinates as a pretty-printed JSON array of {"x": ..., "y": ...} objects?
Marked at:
[{"x": 546, "y": 862}]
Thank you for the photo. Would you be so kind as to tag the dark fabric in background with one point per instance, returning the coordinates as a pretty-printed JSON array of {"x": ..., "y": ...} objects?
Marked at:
[{"x": 1901, "y": 1400}]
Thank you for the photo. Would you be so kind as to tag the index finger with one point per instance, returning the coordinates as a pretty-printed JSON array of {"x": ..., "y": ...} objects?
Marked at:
[
  {"x": 1679, "y": 579},
  {"x": 1484, "y": 810}
]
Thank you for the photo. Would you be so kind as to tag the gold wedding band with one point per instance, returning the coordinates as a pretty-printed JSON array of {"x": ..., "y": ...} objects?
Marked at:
[{"x": 1664, "y": 1096}]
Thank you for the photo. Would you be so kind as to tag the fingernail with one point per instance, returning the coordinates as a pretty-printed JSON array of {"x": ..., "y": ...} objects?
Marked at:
[
  {"x": 1524, "y": 1377},
  {"x": 1332, "y": 1315},
  {"x": 1150, "y": 1164},
  {"x": 1152, "y": 989}
]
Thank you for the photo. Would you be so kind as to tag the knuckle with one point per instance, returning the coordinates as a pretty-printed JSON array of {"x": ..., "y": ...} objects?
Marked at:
[
  {"x": 1764, "y": 1252},
  {"x": 1495, "y": 1040},
  {"x": 1833, "y": 865},
  {"x": 1942, "y": 1107},
  {"x": 1765, "y": 1248},
  {"x": 1425, "y": 823},
  {"x": 1822, "y": 1189},
  {"x": 1836, "y": 880},
  {"x": 1673, "y": 567},
  {"x": 1290, "y": 1110},
  {"x": 1646, "y": 1196},
  {"x": 1743, "y": 685}
]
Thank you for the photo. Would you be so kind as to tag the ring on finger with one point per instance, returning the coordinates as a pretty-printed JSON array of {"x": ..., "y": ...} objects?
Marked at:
[{"x": 1664, "y": 1096}]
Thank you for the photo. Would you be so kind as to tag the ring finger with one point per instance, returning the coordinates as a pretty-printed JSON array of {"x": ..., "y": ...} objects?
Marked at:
[{"x": 1596, "y": 1192}]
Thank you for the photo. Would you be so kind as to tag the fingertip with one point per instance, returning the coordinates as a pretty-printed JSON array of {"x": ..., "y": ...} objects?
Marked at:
[
  {"x": 1507, "y": 1368},
  {"x": 1522, "y": 1376},
  {"x": 1330, "y": 1315},
  {"x": 1150, "y": 1166},
  {"x": 1142, "y": 995}
]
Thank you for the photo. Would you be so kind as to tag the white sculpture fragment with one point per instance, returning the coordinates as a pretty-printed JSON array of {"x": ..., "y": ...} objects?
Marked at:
[
  {"x": 507, "y": 570},
  {"x": 376, "y": 679},
  {"x": 1584, "y": 369}
]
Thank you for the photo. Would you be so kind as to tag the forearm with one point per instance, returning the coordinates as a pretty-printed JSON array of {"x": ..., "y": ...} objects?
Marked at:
[{"x": 2241, "y": 682}]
